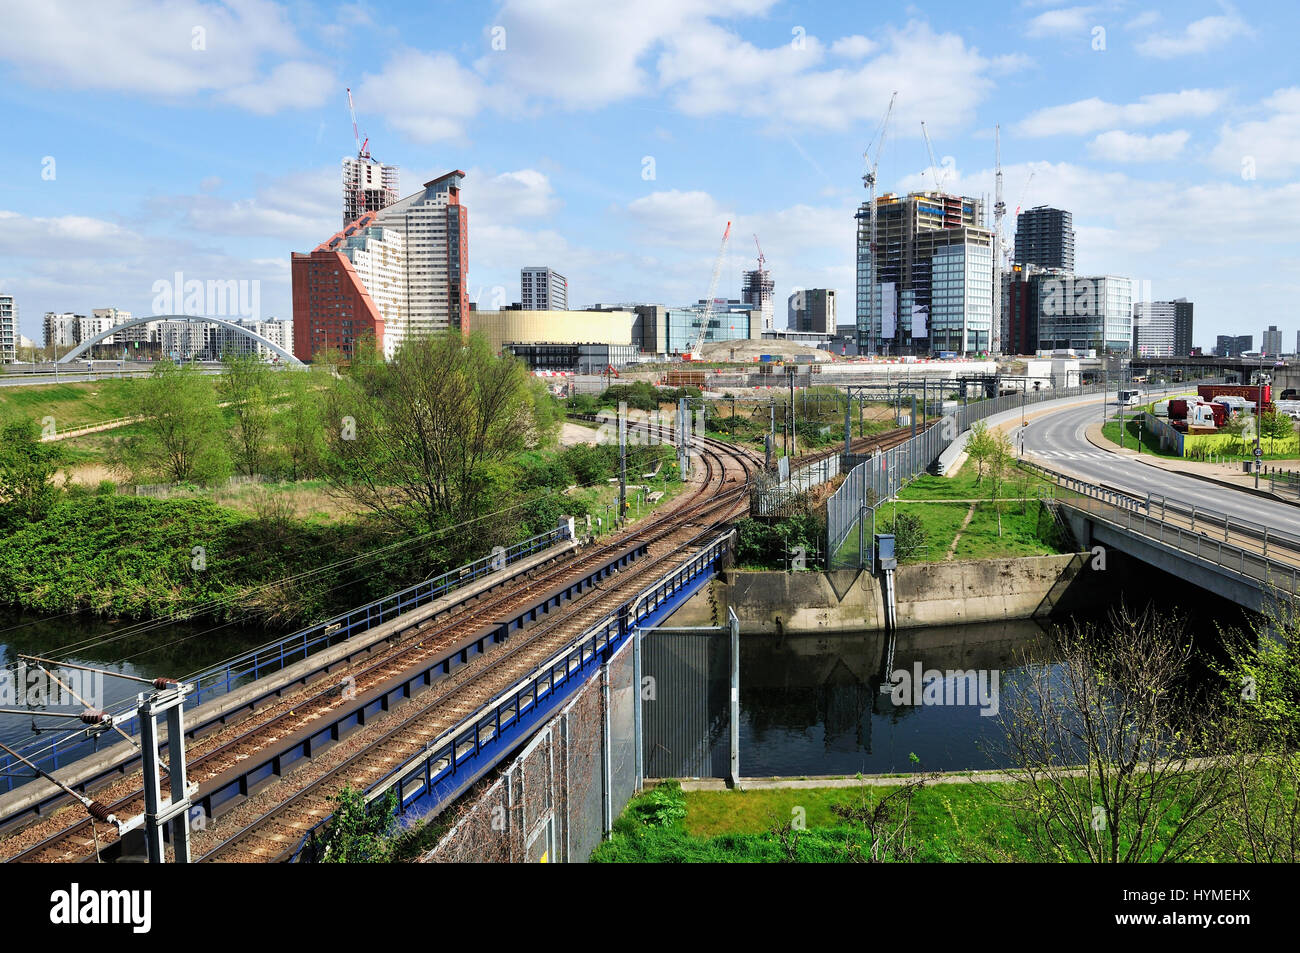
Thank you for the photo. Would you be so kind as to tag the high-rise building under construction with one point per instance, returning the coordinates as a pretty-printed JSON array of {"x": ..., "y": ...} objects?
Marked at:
[
  {"x": 368, "y": 186},
  {"x": 932, "y": 270},
  {"x": 756, "y": 291}
]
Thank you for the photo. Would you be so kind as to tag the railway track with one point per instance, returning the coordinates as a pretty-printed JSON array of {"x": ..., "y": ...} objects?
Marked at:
[
  {"x": 273, "y": 834},
  {"x": 214, "y": 755}
]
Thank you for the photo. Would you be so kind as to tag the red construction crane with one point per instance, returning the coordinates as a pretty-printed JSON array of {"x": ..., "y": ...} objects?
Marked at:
[{"x": 761, "y": 259}]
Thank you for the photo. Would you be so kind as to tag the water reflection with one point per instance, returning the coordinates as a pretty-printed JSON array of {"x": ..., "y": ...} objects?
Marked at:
[{"x": 822, "y": 705}]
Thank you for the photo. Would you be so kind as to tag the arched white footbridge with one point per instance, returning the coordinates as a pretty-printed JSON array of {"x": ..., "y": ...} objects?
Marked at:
[{"x": 192, "y": 318}]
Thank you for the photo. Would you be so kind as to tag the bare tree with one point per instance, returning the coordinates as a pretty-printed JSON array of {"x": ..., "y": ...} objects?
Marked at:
[
  {"x": 886, "y": 823},
  {"x": 1118, "y": 761}
]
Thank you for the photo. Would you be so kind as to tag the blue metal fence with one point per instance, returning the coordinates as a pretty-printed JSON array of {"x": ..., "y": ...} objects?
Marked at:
[
  {"x": 272, "y": 657},
  {"x": 463, "y": 753}
]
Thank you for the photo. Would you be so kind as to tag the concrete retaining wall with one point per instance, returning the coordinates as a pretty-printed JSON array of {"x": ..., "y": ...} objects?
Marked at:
[{"x": 944, "y": 593}]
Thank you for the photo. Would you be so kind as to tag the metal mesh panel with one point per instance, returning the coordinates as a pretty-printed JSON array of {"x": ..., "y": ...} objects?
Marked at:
[{"x": 687, "y": 716}]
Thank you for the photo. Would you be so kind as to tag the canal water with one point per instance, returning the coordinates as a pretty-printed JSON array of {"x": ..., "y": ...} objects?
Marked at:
[
  {"x": 148, "y": 650},
  {"x": 825, "y": 705},
  {"x": 819, "y": 704}
]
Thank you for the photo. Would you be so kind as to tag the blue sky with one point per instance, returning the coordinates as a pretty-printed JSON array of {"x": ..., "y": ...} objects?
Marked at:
[{"x": 613, "y": 140}]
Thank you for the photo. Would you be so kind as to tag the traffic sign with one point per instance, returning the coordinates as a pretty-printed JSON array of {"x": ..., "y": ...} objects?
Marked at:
[{"x": 1259, "y": 452}]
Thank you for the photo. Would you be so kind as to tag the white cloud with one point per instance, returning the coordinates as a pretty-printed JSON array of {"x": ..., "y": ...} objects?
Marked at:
[
  {"x": 1011, "y": 63},
  {"x": 712, "y": 71},
  {"x": 76, "y": 263},
  {"x": 293, "y": 85},
  {"x": 301, "y": 209},
  {"x": 1064, "y": 22},
  {"x": 1120, "y": 146},
  {"x": 1272, "y": 144},
  {"x": 853, "y": 47},
  {"x": 1199, "y": 36},
  {"x": 1091, "y": 115},
  {"x": 427, "y": 96},
  {"x": 588, "y": 53},
  {"x": 1144, "y": 19},
  {"x": 177, "y": 48},
  {"x": 526, "y": 193}
]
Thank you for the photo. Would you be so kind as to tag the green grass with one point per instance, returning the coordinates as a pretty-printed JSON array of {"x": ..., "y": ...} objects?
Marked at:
[
  {"x": 1150, "y": 442},
  {"x": 1019, "y": 537},
  {"x": 951, "y": 823},
  {"x": 963, "y": 485},
  {"x": 71, "y": 405}
]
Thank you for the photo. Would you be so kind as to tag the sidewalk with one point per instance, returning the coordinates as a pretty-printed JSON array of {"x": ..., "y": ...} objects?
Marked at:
[{"x": 1225, "y": 474}]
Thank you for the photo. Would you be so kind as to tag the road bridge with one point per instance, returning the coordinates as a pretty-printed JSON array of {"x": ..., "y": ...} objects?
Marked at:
[{"x": 1240, "y": 545}]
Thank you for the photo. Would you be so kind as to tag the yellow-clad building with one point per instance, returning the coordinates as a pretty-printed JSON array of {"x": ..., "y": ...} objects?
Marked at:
[{"x": 503, "y": 328}]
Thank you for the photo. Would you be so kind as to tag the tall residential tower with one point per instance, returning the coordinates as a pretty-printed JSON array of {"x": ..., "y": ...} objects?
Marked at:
[
  {"x": 1045, "y": 237},
  {"x": 541, "y": 289}
]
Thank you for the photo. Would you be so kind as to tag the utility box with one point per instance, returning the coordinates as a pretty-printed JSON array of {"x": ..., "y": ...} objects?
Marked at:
[{"x": 885, "y": 558}]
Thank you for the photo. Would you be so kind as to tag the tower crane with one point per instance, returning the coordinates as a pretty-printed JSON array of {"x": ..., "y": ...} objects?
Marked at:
[
  {"x": 761, "y": 260},
  {"x": 934, "y": 166},
  {"x": 361, "y": 146},
  {"x": 869, "y": 182},
  {"x": 696, "y": 351}
]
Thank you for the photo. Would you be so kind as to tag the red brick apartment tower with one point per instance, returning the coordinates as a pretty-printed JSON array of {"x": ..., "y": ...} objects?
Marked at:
[{"x": 331, "y": 307}]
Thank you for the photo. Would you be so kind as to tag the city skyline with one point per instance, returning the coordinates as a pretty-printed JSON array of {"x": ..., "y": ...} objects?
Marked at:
[{"x": 224, "y": 159}]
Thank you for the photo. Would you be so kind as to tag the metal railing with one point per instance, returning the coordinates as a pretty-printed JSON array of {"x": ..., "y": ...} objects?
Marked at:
[
  {"x": 247, "y": 667},
  {"x": 889, "y": 472},
  {"x": 1251, "y": 549}
]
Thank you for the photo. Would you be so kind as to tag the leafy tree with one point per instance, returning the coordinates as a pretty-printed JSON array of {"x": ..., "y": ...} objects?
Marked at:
[
  {"x": 1276, "y": 424},
  {"x": 183, "y": 438},
  {"x": 1261, "y": 822},
  {"x": 1001, "y": 460},
  {"x": 27, "y": 469},
  {"x": 249, "y": 386},
  {"x": 910, "y": 538},
  {"x": 979, "y": 445},
  {"x": 300, "y": 429},
  {"x": 415, "y": 439}
]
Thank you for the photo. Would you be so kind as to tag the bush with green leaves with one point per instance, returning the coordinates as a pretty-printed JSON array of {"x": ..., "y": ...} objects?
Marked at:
[
  {"x": 358, "y": 833},
  {"x": 27, "y": 469},
  {"x": 910, "y": 539}
]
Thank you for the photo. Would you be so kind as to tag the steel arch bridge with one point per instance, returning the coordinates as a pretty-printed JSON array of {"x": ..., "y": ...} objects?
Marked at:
[{"x": 193, "y": 319}]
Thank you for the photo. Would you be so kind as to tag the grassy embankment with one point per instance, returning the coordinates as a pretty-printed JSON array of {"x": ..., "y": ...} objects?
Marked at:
[
  {"x": 959, "y": 508},
  {"x": 133, "y": 557}
]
